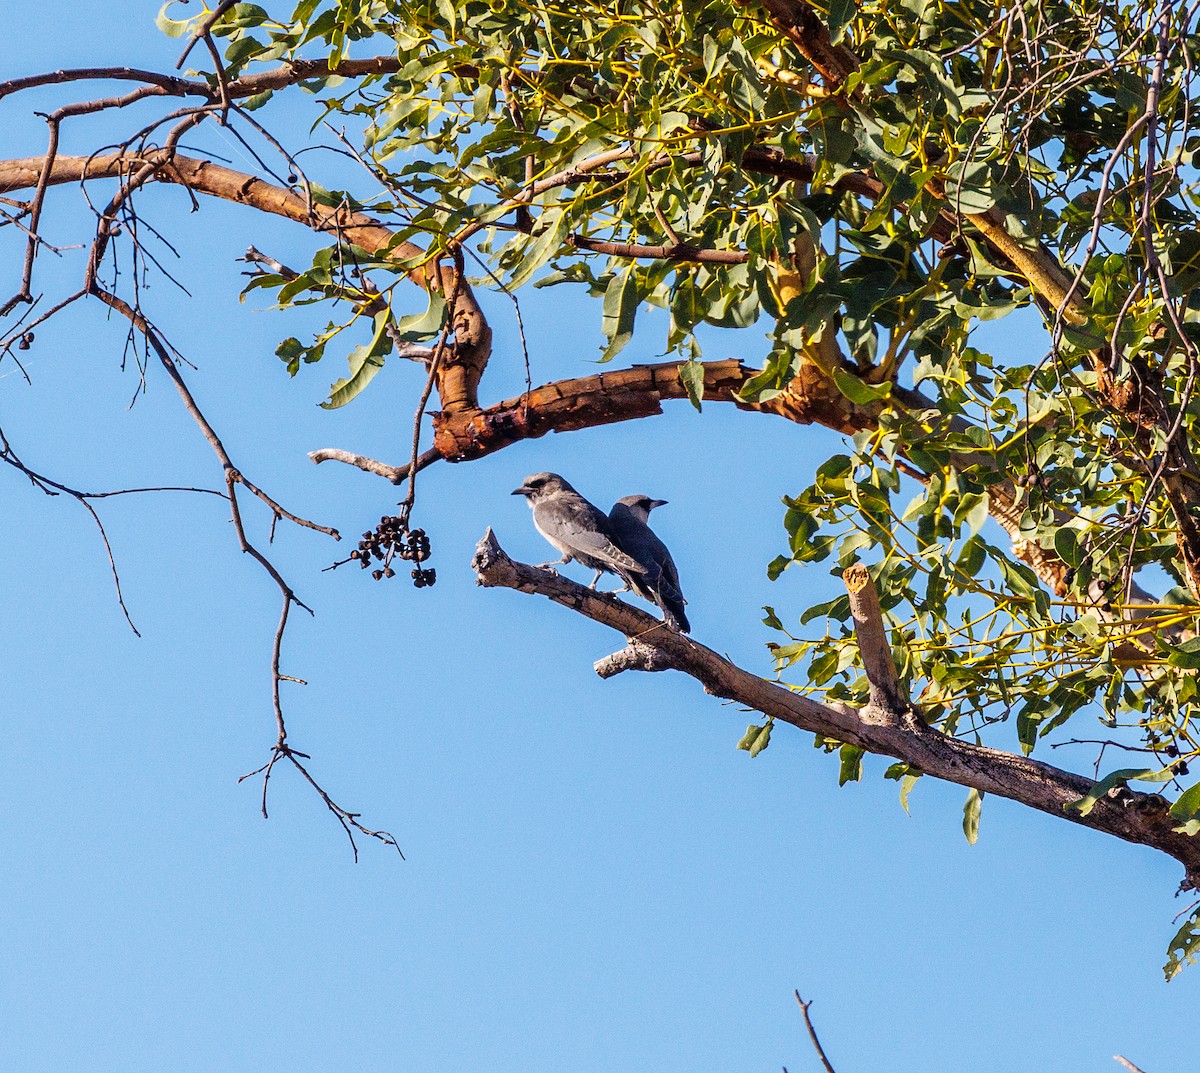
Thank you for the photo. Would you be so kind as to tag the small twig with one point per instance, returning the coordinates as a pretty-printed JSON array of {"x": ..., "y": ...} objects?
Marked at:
[
  {"x": 257, "y": 257},
  {"x": 395, "y": 474},
  {"x": 680, "y": 251},
  {"x": 414, "y": 467},
  {"x": 812, "y": 1032},
  {"x": 1127, "y": 1064},
  {"x": 666, "y": 226},
  {"x": 222, "y": 77},
  {"x": 203, "y": 29},
  {"x": 1185, "y": 911},
  {"x": 53, "y": 488}
]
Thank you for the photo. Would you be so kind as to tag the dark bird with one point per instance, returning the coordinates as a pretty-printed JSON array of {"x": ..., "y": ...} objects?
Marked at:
[
  {"x": 579, "y": 530},
  {"x": 659, "y": 580}
]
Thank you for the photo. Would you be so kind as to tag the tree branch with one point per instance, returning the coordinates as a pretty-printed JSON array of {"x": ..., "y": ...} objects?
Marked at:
[
  {"x": 677, "y": 251},
  {"x": 812, "y": 1032},
  {"x": 174, "y": 86},
  {"x": 463, "y": 430},
  {"x": 1129, "y": 815},
  {"x": 888, "y": 701},
  {"x": 395, "y": 474}
]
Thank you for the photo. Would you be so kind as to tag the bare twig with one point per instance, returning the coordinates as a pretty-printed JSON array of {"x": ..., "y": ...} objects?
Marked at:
[
  {"x": 203, "y": 29},
  {"x": 679, "y": 251},
  {"x": 53, "y": 488},
  {"x": 395, "y": 474},
  {"x": 1126, "y": 1063},
  {"x": 812, "y": 1032}
]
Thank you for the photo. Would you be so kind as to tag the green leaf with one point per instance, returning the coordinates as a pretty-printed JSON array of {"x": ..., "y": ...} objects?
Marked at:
[
  {"x": 1184, "y": 947},
  {"x": 971, "y": 812},
  {"x": 1185, "y": 655},
  {"x": 841, "y": 14},
  {"x": 777, "y": 566},
  {"x": 691, "y": 374},
  {"x": 756, "y": 738},
  {"x": 173, "y": 27},
  {"x": 621, "y": 300},
  {"x": 289, "y": 352},
  {"x": 1186, "y": 808},
  {"x": 255, "y": 102},
  {"x": 365, "y": 362},
  {"x": 851, "y": 766},
  {"x": 1067, "y": 546},
  {"x": 1117, "y": 778},
  {"x": 420, "y": 327},
  {"x": 858, "y": 391}
]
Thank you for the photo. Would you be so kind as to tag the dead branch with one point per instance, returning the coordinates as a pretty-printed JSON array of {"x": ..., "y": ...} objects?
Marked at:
[
  {"x": 1129, "y": 815},
  {"x": 812, "y": 1032},
  {"x": 395, "y": 474},
  {"x": 888, "y": 701},
  {"x": 677, "y": 251}
]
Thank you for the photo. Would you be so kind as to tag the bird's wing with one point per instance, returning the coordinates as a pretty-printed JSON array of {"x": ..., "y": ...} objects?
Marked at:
[
  {"x": 582, "y": 526},
  {"x": 670, "y": 577},
  {"x": 601, "y": 547}
]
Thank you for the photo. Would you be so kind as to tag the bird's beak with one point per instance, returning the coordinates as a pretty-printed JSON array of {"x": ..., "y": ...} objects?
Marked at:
[
  {"x": 522, "y": 491},
  {"x": 656, "y": 503}
]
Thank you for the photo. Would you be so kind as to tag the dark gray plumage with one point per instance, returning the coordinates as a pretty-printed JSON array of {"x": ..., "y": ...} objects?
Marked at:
[
  {"x": 659, "y": 581},
  {"x": 579, "y": 530}
]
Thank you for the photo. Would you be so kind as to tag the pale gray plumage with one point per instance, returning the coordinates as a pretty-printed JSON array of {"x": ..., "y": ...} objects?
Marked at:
[
  {"x": 579, "y": 530},
  {"x": 659, "y": 581}
]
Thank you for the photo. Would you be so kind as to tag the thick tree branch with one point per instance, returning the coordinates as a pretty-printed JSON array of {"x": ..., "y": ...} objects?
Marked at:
[
  {"x": 1126, "y": 814},
  {"x": 887, "y": 699},
  {"x": 463, "y": 430},
  {"x": 804, "y": 28},
  {"x": 458, "y": 379}
]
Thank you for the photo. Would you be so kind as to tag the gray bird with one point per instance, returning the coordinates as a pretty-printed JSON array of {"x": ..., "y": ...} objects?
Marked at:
[
  {"x": 579, "y": 530},
  {"x": 659, "y": 580}
]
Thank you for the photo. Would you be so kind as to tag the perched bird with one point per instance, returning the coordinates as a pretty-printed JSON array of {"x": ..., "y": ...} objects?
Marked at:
[
  {"x": 659, "y": 580},
  {"x": 575, "y": 527}
]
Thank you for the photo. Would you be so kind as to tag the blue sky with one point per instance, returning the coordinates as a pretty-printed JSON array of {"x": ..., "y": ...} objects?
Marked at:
[{"x": 596, "y": 878}]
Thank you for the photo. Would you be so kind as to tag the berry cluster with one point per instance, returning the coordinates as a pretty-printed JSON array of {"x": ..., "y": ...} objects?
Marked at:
[
  {"x": 1179, "y": 767},
  {"x": 392, "y": 539}
]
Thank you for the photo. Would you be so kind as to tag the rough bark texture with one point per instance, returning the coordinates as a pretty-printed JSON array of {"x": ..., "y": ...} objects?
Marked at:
[{"x": 1129, "y": 815}]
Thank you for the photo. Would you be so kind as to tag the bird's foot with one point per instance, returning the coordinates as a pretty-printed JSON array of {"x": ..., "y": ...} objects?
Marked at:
[{"x": 550, "y": 566}]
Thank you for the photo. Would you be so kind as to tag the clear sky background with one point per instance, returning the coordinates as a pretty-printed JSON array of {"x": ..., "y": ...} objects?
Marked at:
[{"x": 597, "y": 880}]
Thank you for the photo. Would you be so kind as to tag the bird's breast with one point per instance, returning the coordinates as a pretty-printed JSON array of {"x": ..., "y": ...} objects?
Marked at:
[{"x": 549, "y": 535}]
